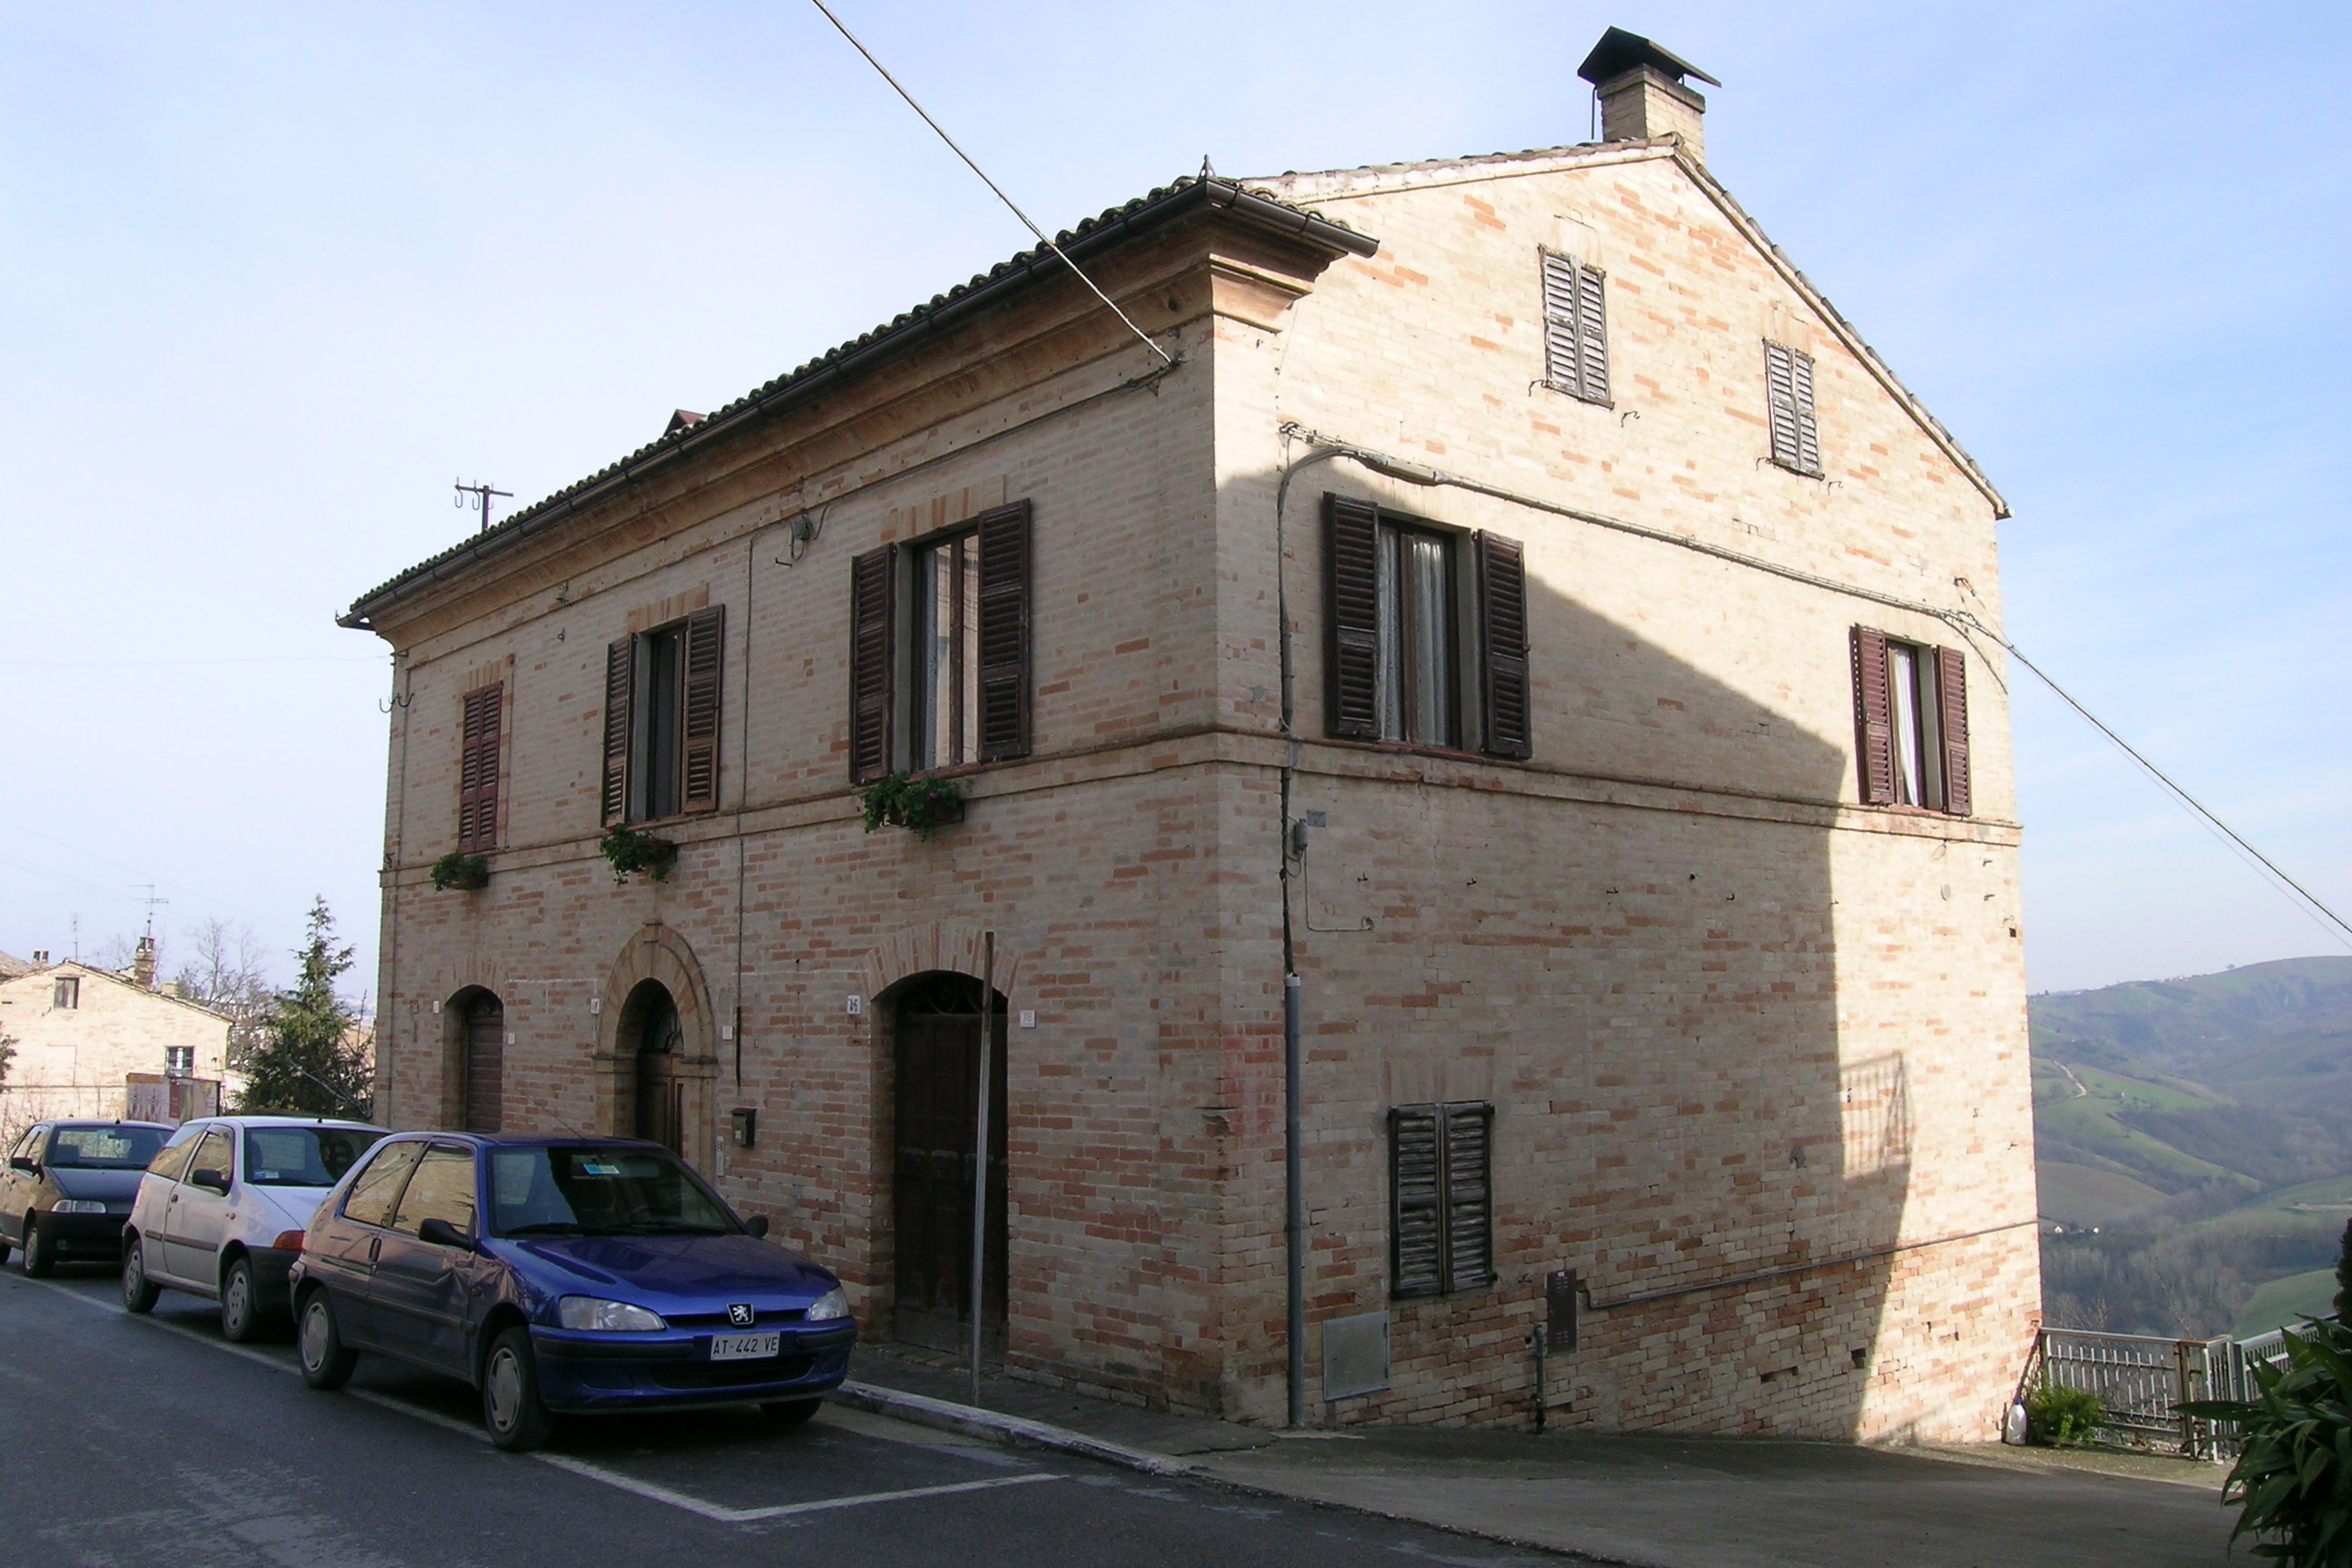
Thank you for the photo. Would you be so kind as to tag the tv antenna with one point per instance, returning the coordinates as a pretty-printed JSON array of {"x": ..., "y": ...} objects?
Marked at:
[
  {"x": 152, "y": 903},
  {"x": 481, "y": 494}
]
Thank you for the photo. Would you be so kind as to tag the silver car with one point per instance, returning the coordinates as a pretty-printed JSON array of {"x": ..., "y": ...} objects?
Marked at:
[{"x": 221, "y": 1211}]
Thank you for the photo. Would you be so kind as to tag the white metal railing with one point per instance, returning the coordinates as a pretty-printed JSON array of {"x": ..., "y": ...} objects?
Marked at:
[{"x": 2141, "y": 1381}]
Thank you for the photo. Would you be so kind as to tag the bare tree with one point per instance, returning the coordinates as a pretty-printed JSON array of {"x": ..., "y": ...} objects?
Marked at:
[{"x": 118, "y": 952}]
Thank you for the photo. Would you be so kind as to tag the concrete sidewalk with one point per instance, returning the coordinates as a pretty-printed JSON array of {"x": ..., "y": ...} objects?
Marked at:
[{"x": 1662, "y": 1502}]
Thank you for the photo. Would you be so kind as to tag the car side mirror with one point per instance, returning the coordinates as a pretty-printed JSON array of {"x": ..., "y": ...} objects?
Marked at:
[
  {"x": 25, "y": 1163},
  {"x": 441, "y": 1232},
  {"x": 757, "y": 1225},
  {"x": 210, "y": 1180}
]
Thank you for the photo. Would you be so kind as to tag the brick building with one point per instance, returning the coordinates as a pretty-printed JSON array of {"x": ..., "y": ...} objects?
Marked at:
[
  {"x": 79, "y": 1033},
  {"x": 1524, "y": 609}
]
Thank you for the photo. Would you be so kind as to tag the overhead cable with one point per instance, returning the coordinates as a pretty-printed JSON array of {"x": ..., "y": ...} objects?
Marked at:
[{"x": 1042, "y": 238}]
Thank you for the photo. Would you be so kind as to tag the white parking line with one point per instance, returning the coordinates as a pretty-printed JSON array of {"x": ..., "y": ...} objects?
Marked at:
[{"x": 650, "y": 1491}]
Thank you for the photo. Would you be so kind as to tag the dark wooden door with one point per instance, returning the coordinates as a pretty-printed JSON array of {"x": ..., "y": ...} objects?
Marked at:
[
  {"x": 661, "y": 1092},
  {"x": 938, "y": 1089},
  {"x": 486, "y": 1048}
]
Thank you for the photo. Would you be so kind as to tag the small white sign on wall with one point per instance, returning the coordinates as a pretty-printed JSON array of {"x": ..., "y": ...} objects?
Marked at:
[
  {"x": 1028, "y": 1018},
  {"x": 857, "y": 1006}
]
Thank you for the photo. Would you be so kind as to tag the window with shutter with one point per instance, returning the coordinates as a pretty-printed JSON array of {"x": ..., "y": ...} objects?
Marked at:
[
  {"x": 620, "y": 723},
  {"x": 1004, "y": 640},
  {"x": 1788, "y": 395},
  {"x": 1441, "y": 1199},
  {"x": 1576, "y": 328},
  {"x": 477, "y": 768},
  {"x": 873, "y": 599},
  {"x": 705, "y": 636},
  {"x": 662, "y": 715},
  {"x": 1399, "y": 662},
  {"x": 1911, "y": 723}
]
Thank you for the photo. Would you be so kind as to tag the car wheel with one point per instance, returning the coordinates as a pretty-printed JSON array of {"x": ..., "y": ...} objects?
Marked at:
[
  {"x": 240, "y": 1304},
  {"x": 510, "y": 1406},
  {"x": 327, "y": 1361},
  {"x": 139, "y": 1293},
  {"x": 40, "y": 1249},
  {"x": 791, "y": 1411}
]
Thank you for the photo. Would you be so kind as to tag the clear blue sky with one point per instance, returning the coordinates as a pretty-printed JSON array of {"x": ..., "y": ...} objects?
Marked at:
[{"x": 273, "y": 276}]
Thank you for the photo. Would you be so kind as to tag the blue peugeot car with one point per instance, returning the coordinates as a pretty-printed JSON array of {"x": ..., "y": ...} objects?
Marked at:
[{"x": 562, "y": 1276}]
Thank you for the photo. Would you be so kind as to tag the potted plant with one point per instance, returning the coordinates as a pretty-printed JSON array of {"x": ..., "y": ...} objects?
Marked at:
[
  {"x": 921, "y": 804},
  {"x": 631, "y": 851},
  {"x": 2291, "y": 1481},
  {"x": 465, "y": 873}
]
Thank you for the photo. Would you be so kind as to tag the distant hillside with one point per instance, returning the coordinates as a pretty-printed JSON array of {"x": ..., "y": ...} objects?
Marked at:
[{"x": 2172, "y": 1115}]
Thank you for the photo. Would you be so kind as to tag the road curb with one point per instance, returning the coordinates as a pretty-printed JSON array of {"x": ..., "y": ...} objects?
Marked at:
[{"x": 994, "y": 1427}]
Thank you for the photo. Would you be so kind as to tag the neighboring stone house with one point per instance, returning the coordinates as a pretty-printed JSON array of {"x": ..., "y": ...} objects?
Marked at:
[
  {"x": 80, "y": 1032},
  {"x": 1628, "y": 789}
]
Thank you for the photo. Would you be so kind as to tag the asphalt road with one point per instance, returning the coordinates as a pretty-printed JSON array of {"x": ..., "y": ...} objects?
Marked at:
[{"x": 150, "y": 1440}]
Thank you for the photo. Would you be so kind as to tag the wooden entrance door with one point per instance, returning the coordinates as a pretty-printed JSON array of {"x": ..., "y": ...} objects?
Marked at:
[
  {"x": 661, "y": 1091},
  {"x": 485, "y": 1028},
  {"x": 938, "y": 1089}
]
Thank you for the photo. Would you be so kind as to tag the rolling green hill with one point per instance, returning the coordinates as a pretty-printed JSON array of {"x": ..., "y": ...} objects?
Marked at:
[{"x": 2194, "y": 1139}]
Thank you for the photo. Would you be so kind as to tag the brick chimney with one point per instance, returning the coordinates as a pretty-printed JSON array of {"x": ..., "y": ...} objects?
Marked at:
[
  {"x": 142, "y": 965},
  {"x": 1642, "y": 93}
]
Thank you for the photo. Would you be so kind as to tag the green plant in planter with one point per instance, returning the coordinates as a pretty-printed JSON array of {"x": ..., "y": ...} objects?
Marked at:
[
  {"x": 921, "y": 803},
  {"x": 466, "y": 873},
  {"x": 2062, "y": 1418},
  {"x": 2293, "y": 1480},
  {"x": 631, "y": 851}
]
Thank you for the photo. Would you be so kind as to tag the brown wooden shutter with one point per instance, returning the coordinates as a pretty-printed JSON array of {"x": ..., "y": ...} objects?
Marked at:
[
  {"x": 1952, "y": 697},
  {"x": 1351, "y": 614},
  {"x": 1416, "y": 1206},
  {"x": 478, "y": 770},
  {"x": 1005, "y": 683},
  {"x": 1561, "y": 346},
  {"x": 1874, "y": 718},
  {"x": 706, "y": 660},
  {"x": 872, "y": 603},
  {"x": 620, "y": 692},
  {"x": 1503, "y": 647},
  {"x": 1591, "y": 336},
  {"x": 1469, "y": 1206}
]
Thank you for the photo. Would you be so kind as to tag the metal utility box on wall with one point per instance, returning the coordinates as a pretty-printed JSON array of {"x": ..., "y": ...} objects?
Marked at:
[
  {"x": 1354, "y": 1355},
  {"x": 1559, "y": 1310},
  {"x": 746, "y": 1120}
]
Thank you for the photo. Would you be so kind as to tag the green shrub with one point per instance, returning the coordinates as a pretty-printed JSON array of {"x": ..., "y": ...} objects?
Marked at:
[
  {"x": 2062, "y": 1418},
  {"x": 921, "y": 803},
  {"x": 630, "y": 851},
  {"x": 465, "y": 872},
  {"x": 2293, "y": 1482}
]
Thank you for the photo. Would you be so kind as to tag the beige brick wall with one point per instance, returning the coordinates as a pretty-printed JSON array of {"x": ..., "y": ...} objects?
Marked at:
[
  {"x": 72, "y": 1062},
  {"x": 1731, "y": 1025}
]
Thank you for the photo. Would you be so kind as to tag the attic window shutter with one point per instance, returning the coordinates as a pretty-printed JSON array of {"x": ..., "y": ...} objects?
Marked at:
[
  {"x": 620, "y": 694},
  {"x": 478, "y": 770},
  {"x": 706, "y": 651},
  {"x": 1952, "y": 698},
  {"x": 1416, "y": 1212},
  {"x": 1789, "y": 389},
  {"x": 873, "y": 580},
  {"x": 1503, "y": 647},
  {"x": 1005, "y": 683},
  {"x": 1874, "y": 718},
  {"x": 1351, "y": 606},
  {"x": 1576, "y": 328}
]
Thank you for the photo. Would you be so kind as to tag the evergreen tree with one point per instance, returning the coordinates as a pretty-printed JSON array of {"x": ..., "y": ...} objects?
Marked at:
[
  {"x": 2344, "y": 1275},
  {"x": 307, "y": 1053}
]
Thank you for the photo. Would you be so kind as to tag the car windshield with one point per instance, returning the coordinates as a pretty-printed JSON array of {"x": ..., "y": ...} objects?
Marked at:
[
  {"x": 303, "y": 1156},
  {"x": 590, "y": 1190},
  {"x": 105, "y": 1148}
]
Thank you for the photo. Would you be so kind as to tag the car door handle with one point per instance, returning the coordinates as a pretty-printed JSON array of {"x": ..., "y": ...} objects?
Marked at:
[{"x": 375, "y": 1245}]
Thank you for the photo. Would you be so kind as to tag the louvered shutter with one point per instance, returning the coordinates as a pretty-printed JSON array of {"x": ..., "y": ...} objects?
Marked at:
[
  {"x": 1780, "y": 395},
  {"x": 478, "y": 770},
  {"x": 1005, "y": 683},
  {"x": 1809, "y": 433},
  {"x": 620, "y": 692},
  {"x": 1469, "y": 1207},
  {"x": 1351, "y": 612},
  {"x": 1874, "y": 718},
  {"x": 1416, "y": 1206},
  {"x": 873, "y": 599},
  {"x": 1952, "y": 698},
  {"x": 1503, "y": 647},
  {"x": 1560, "y": 345},
  {"x": 706, "y": 660},
  {"x": 1591, "y": 336}
]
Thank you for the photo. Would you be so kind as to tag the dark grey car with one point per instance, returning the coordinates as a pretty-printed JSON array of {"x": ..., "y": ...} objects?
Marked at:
[{"x": 68, "y": 1187}]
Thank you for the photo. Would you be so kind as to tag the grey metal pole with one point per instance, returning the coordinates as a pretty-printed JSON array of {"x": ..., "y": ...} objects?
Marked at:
[
  {"x": 1294, "y": 1228},
  {"x": 980, "y": 1161}
]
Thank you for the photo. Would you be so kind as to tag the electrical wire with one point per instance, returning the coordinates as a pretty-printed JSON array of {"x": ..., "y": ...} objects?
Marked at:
[
  {"x": 1043, "y": 238},
  {"x": 1962, "y": 621}
]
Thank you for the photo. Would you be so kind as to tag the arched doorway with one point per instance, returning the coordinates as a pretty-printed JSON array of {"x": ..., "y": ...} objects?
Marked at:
[
  {"x": 650, "y": 1027},
  {"x": 482, "y": 1057},
  {"x": 938, "y": 1019}
]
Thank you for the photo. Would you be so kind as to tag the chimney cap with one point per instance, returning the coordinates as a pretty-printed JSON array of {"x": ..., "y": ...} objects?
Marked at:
[{"x": 1620, "y": 51}]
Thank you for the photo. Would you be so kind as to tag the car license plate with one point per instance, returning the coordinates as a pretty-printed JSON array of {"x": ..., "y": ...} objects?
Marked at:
[{"x": 745, "y": 1347}]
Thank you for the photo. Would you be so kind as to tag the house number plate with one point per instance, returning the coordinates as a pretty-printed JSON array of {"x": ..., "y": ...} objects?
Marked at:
[{"x": 745, "y": 1347}]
